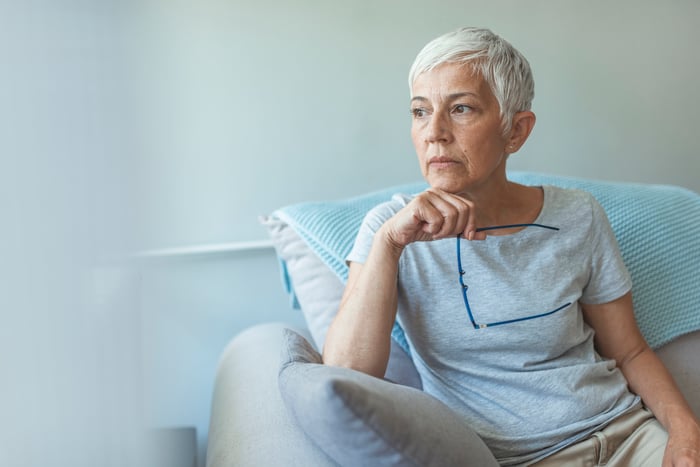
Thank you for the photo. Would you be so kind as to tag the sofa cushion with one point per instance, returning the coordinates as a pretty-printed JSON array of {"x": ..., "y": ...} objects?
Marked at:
[
  {"x": 249, "y": 424},
  {"x": 354, "y": 417}
]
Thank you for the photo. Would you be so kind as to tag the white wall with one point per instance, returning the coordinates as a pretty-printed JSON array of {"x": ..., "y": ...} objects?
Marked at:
[
  {"x": 127, "y": 126},
  {"x": 246, "y": 106},
  {"x": 70, "y": 357}
]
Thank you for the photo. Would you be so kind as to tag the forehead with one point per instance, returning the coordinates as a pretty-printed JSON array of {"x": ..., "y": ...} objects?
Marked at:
[{"x": 448, "y": 79}]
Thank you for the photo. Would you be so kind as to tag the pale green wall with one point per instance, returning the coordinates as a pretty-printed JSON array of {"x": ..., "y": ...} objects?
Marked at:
[
  {"x": 246, "y": 106},
  {"x": 70, "y": 357}
]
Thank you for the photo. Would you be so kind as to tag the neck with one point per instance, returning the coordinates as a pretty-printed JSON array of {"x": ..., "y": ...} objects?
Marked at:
[{"x": 503, "y": 202}]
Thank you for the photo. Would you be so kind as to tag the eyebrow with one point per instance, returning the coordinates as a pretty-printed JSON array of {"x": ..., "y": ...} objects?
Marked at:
[{"x": 450, "y": 97}]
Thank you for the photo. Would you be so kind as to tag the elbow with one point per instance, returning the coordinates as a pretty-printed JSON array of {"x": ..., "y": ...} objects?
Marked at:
[
  {"x": 627, "y": 360},
  {"x": 355, "y": 360}
]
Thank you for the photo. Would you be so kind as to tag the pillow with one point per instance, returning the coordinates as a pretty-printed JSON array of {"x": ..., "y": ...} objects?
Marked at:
[
  {"x": 354, "y": 417},
  {"x": 649, "y": 221},
  {"x": 311, "y": 285},
  {"x": 316, "y": 290}
]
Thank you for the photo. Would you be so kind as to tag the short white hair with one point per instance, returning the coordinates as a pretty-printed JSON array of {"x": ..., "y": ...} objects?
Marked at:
[{"x": 503, "y": 67}]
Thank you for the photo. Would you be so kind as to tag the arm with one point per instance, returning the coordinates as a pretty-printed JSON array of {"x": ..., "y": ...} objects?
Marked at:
[
  {"x": 618, "y": 337},
  {"x": 359, "y": 336}
]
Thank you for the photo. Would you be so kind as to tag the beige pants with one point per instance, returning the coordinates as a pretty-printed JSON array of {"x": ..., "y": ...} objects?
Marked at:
[{"x": 636, "y": 439}]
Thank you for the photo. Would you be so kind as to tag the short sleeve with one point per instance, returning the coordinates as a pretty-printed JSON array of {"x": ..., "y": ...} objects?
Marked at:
[
  {"x": 609, "y": 277},
  {"x": 372, "y": 222}
]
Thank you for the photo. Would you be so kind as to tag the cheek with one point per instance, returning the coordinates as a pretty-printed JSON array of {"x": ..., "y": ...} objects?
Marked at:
[
  {"x": 415, "y": 138},
  {"x": 477, "y": 141},
  {"x": 418, "y": 132}
]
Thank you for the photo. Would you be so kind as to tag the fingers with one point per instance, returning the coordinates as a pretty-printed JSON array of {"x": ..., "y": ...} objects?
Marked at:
[
  {"x": 446, "y": 215},
  {"x": 432, "y": 215},
  {"x": 478, "y": 236}
]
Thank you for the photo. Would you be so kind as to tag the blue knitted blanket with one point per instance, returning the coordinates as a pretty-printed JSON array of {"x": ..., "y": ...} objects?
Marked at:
[{"x": 657, "y": 228}]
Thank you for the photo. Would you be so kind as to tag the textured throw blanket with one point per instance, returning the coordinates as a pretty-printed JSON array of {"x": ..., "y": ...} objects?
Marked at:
[{"x": 657, "y": 228}]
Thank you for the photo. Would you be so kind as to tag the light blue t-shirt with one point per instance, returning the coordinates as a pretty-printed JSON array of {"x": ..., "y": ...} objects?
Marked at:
[{"x": 531, "y": 387}]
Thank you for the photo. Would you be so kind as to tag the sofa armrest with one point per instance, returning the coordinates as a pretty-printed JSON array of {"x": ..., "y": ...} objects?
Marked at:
[
  {"x": 250, "y": 425},
  {"x": 681, "y": 358}
]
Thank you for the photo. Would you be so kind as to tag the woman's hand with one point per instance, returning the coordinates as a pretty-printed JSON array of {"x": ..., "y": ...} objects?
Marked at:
[
  {"x": 683, "y": 449},
  {"x": 433, "y": 215}
]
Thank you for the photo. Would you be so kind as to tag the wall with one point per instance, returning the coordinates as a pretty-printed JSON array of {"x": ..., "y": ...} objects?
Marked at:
[
  {"x": 131, "y": 126},
  {"x": 243, "y": 104},
  {"x": 70, "y": 347},
  {"x": 245, "y": 107}
]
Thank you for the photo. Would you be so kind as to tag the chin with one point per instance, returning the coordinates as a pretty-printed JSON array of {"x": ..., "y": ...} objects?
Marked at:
[{"x": 450, "y": 186}]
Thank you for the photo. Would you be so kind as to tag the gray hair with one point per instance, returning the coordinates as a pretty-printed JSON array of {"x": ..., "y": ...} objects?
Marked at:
[{"x": 503, "y": 67}]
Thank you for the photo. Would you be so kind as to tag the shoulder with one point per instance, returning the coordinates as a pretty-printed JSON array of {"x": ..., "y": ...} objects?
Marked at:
[
  {"x": 572, "y": 205},
  {"x": 568, "y": 197},
  {"x": 577, "y": 212}
]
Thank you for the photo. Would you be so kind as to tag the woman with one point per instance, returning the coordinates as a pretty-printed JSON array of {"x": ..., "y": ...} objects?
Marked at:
[{"x": 514, "y": 299}]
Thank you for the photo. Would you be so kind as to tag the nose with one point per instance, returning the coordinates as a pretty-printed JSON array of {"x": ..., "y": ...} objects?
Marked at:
[{"x": 437, "y": 129}]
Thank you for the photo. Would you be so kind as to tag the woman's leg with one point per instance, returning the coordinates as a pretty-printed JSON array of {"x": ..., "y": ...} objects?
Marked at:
[{"x": 635, "y": 439}]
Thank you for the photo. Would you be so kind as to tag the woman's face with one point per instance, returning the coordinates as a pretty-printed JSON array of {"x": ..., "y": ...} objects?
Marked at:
[{"x": 456, "y": 129}]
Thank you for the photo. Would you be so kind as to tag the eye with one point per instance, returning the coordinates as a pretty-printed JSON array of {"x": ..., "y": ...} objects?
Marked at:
[
  {"x": 461, "y": 109},
  {"x": 419, "y": 112}
]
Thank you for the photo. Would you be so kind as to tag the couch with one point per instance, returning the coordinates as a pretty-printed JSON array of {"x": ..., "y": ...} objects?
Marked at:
[{"x": 257, "y": 420}]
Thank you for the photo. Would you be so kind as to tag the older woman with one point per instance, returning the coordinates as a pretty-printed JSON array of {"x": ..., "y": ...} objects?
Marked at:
[{"x": 514, "y": 299}]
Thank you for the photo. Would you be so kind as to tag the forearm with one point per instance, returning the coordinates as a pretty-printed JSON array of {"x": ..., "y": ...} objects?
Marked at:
[
  {"x": 648, "y": 377},
  {"x": 359, "y": 336},
  {"x": 619, "y": 338}
]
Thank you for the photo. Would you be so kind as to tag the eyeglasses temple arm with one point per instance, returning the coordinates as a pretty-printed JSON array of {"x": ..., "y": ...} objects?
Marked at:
[
  {"x": 464, "y": 286},
  {"x": 511, "y": 226}
]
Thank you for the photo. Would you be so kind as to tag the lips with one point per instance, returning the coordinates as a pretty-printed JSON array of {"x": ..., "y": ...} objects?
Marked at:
[{"x": 441, "y": 162}]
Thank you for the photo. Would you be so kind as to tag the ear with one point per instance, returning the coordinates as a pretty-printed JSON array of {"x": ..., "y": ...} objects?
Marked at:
[{"x": 522, "y": 125}]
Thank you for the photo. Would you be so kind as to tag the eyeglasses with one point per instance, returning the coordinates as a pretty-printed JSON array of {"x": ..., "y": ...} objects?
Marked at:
[{"x": 465, "y": 287}]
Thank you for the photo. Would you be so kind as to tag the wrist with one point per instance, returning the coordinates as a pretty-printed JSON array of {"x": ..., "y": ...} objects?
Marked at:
[
  {"x": 682, "y": 422},
  {"x": 389, "y": 242}
]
